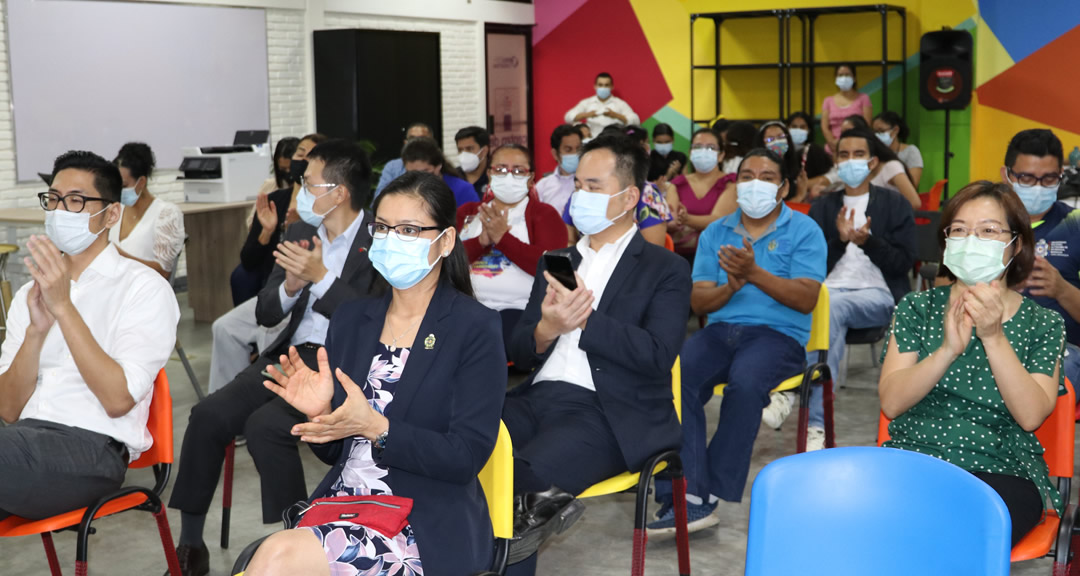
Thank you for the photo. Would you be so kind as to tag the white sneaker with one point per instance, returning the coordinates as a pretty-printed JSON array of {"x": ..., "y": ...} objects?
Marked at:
[
  {"x": 778, "y": 409},
  {"x": 815, "y": 438}
]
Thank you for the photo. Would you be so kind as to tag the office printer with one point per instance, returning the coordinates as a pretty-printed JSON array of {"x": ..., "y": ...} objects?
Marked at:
[{"x": 226, "y": 173}]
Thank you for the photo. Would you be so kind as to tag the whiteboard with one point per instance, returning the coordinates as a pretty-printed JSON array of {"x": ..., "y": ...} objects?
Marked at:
[{"x": 88, "y": 75}]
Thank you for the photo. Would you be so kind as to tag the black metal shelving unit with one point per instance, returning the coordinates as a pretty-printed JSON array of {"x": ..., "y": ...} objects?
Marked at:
[{"x": 805, "y": 66}]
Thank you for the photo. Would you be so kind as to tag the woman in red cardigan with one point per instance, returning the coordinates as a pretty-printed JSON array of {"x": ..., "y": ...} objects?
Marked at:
[{"x": 506, "y": 233}]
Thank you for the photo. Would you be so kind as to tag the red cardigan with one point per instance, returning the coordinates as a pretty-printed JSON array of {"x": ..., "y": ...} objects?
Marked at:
[{"x": 546, "y": 232}]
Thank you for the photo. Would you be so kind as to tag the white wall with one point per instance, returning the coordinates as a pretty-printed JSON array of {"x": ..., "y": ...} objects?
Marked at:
[{"x": 289, "y": 23}]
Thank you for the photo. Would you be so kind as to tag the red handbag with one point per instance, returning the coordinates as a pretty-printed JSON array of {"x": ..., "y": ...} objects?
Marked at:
[{"x": 387, "y": 515}]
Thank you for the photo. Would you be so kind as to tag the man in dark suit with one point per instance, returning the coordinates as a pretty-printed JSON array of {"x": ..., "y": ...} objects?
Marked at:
[
  {"x": 322, "y": 263},
  {"x": 599, "y": 401}
]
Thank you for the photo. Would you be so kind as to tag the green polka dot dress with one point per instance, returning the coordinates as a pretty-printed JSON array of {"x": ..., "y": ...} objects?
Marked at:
[{"x": 963, "y": 420}]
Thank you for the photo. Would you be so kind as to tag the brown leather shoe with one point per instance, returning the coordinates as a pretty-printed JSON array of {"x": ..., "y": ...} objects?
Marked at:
[{"x": 193, "y": 561}]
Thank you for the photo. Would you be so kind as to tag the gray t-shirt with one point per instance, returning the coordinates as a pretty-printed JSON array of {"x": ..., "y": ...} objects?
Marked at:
[{"x": 911, "y": 157}]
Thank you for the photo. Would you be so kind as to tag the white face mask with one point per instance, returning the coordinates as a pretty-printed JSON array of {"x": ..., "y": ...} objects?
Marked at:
[
  {"x": 70, "y": 231},
  {"x": 469, "y": 161},
  {"x": 510, "y": 189}
]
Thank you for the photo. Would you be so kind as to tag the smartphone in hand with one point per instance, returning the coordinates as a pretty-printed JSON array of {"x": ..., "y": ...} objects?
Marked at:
[{"x": 560, "y": 266}]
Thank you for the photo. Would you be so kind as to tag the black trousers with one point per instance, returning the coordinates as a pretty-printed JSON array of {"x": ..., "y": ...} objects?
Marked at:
[
  {"x": 48, "y": 468},
  {"x": 510, "y": 318},
  {"x": 561, "y": 437},
  {"x": 244, "y": 406},
  {"x": 1021, "y": 498}
]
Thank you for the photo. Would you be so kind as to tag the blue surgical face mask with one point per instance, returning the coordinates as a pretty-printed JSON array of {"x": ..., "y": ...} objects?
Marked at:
[
  {"x": 70, "y": 231},
  {"x": 305, "y": 207},
  {"x": 1037, "y": 199},
  {"x": 128, "y": 196},
  {"x": 845, "y": 82},
  {"x": 704, "y": 159},
  {"x": 799, "y": 135},
  {"x": 569, "y": 162},
  {"x": 663, "y": 148},
  {"x": 757, "y": 198},
  {"x": 603, "y": 92},
  {"x": 885, "y": 137},
  {"x": 403, "y": 264},
  {"x": 588, "y": 210},
  {"x": 853, "y": 172}
]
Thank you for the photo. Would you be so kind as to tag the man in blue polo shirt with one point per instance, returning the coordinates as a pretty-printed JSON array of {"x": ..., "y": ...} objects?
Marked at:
[
  {"x": 757, "y": 274},
  {"x": 1033, "y": 165}
]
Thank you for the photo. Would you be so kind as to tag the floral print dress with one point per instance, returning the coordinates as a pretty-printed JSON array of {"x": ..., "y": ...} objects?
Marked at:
[{"x": 354, "y": 550}]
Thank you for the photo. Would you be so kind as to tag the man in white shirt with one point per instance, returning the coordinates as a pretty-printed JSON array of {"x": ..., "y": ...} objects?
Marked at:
[
  {"x": 322, "y": 263},
  {"x": 870, "y": 233},
  {"x": 599, "y": 402},
  {"x": 555, "y": 188},
  {"x": 85, "y": 340},
  {"x": 603, "y": 109}
]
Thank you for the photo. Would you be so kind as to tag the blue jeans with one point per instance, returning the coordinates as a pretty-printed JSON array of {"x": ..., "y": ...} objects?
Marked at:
[
  {"x": 1071, "y": 364},
  {"x": 752, "y": 360},
  {"x": 848, "y": 309}
]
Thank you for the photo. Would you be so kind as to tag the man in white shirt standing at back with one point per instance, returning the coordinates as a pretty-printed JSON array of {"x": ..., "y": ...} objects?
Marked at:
[
  {"x": 603, "y": 109},
  {"x": 85, "y": 340}
]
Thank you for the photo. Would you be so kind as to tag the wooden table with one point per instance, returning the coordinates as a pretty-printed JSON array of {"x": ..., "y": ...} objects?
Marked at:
[{"x": 216, "y": 232}]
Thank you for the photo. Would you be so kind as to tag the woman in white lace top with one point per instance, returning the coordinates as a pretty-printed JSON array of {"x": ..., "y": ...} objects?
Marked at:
[{"x": 151, "y": 230}]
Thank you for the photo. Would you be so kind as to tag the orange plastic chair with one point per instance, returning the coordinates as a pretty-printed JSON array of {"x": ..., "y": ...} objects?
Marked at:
[
  {"x": 669, "y": 243},
  {"x": 932, "y": 200},
  {"x": 801, "y": 207},
  {"x": 1057, "y": 436},
  {"x": 160, "y": 456}
]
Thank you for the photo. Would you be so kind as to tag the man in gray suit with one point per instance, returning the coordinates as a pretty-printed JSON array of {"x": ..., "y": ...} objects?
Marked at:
[{"x": 321, "y": 263}]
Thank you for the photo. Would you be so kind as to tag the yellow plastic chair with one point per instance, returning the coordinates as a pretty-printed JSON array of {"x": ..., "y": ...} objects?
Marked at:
[
  {"x": 669, "y": 461},
  {"x": 497, "y": 479},
  {"x": 817, "y": 373}
]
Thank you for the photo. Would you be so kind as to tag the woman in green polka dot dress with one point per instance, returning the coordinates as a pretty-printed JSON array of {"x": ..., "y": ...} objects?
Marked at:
[{"x": 975, "y": 400}]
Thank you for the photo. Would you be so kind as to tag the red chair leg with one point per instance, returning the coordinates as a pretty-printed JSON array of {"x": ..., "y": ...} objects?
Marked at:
[
  {"x": 50, "y": 553},
  {"x": 637, "y": 565},
  {"x": 804, "y": 424},
  {"x": 827, "y": 396},
  {"x": 226, "y": 494},
  {"x": 167, "y": 541},
  {"x": 682, "y": 535}
]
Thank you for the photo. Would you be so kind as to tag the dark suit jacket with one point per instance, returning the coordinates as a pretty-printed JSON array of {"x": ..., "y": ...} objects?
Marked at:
[
  {"x": 444, "y": 420},
  {"x": 631, "y": 340},
  {"x": 891, "y": 246},
  {"x": 357, "y": 280},
  {"x": 255, "y": 257}
]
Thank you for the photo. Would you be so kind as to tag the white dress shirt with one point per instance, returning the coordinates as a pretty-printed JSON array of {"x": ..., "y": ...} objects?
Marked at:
[
  {"x": 131, "y": 311},
  {"x": 568, "y": 362},
  {"x": 312, "y": 327},
  {"x": 599, "y": 122}
]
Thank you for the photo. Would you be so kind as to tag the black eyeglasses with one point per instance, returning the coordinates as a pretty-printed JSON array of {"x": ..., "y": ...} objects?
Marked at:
[
  {"x": 406, "y": 232},
  {"x": 1027, "y": 179},
  {"x": 73, "y": 202}
]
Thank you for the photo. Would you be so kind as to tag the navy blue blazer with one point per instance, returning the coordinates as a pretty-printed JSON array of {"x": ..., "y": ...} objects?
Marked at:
[
  {"x": 631, "y": 340},
  {"x": 444, "y": 420}
]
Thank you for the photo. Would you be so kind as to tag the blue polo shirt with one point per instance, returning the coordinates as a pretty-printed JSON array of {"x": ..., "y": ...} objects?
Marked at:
[
  {"x": 1057, "y": 238},
  {"x": 463, "y": 191},
  {"x": 793, "y": 247}
]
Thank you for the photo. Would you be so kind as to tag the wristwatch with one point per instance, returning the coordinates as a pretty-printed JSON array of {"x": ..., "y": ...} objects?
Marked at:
[{"x": 380, "y": 440}]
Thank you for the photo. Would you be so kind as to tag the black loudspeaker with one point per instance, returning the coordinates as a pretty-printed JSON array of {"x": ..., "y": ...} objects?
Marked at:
[
  {"x": 945, "y": 72},
  {"x": 371, "y": 84}
]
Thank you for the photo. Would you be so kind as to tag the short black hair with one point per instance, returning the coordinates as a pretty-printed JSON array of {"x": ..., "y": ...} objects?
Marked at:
[
  {"x": 857, "y": 121},
  {"x": 1034, "y": 142},
  {"x": 314, "y": 137},
  {"x": 895, "y": 120},
  {"x": 805, "y": 118},
  {"x": 138, "y": 158},
  {"x": 616, "y": 129},
  {"x": 107, "y": 179},
  {"x": 631, "y": 163},
  {"x": 476, "y": 133},
  {"x": 637, "y": 133},
  {"x": 424, "y": 150},
  {"x": 418, "y": 125},
  {"x": 858, "y": 133},
  {"x": 773, "y": 157},
  {"x": 346, "y": 164},
  {"x": 604, "y": 75},
  {"x": 663, "y": 129},
  {"x": 562, "y": 131}
]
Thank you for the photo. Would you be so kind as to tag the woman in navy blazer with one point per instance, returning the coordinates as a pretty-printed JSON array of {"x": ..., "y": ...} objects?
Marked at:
[{"x": 424, "y": 419}]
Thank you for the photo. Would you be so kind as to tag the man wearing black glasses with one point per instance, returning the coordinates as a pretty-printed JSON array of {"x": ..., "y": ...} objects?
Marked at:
[
  {"x": 85, "y": 340},
  {"x": 321, "y": 263},
  {"x": 1033, "y": 165}
]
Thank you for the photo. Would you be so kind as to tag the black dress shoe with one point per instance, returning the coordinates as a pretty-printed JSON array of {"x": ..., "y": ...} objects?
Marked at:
[
  {"x": 539, "y": 516},
  {"x": 193, "y": 561},
  {"x": 540, "y": 507}
]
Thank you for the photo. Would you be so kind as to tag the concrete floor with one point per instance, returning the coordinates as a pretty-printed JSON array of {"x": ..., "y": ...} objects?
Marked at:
[{"x": 599, "y": 544}]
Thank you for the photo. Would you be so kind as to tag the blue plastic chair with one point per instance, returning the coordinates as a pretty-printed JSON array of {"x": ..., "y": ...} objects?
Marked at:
[{"x": 881, "y": 511}]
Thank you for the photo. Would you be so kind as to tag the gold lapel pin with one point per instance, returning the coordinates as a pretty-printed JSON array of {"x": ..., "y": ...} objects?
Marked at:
[{"x": 429, "y": 342}]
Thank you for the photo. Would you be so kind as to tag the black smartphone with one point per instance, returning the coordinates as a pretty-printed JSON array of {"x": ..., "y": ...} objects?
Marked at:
[{"x": 560, "y": 266}]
